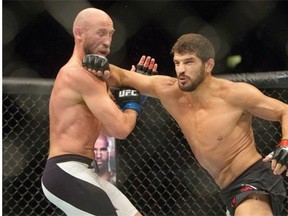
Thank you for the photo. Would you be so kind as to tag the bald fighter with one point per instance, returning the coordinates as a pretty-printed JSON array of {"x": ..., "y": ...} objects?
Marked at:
[{"x": 80, "y": 108}]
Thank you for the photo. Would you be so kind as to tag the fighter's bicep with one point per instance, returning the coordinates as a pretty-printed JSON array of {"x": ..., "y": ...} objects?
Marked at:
[
  {"x": 151, "y": 85},
  {"x": 259, "y": 104},
  {"x": 267, "y": 108}
]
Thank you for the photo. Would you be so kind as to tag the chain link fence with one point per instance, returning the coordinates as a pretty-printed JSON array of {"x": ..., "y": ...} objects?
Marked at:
[{"x": 155, "y": 167}]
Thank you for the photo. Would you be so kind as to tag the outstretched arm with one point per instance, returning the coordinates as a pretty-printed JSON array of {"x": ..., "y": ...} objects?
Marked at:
[{"x": 119, "y": 77}]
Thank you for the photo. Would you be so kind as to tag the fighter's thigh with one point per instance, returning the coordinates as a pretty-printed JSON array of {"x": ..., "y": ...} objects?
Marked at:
[
  {"x": 255, "y": 204},
  {"x": 120, "y": 201}
]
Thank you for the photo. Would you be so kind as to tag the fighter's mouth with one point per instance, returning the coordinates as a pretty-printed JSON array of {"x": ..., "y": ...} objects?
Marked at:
[
  {"x": 103, "y": 53},
  {"x": 182, "y": 78}
]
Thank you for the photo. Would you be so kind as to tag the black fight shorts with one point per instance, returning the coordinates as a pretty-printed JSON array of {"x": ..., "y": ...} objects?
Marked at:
[
  {"x": 71, "y": 183},
  {"x": 258, "y": 178}
]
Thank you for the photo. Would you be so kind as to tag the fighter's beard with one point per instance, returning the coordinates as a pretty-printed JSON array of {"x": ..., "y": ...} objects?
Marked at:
[{"x": 193, "y": 85}]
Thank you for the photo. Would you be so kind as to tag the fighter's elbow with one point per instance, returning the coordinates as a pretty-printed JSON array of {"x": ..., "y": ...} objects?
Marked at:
[
  {"x": 117, "y": 133},
  {"x": 123, "y": 133},
  {"x": 284, "y": 115}
]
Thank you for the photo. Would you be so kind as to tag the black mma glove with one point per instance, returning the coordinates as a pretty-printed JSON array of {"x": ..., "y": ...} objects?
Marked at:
[
  {"x": 281, "y": 153},
  {"x": 145, "y": 71},
  {"x": 96, "y": 63},
  {"x": 128, "y": 98}
]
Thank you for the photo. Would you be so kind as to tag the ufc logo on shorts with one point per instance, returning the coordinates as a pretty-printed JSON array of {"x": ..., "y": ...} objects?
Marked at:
[{"x": 128, "y": 92}]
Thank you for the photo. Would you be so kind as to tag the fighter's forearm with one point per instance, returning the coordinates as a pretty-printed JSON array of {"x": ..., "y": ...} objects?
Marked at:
[
  {"x": 115, "y": 76},
  {"x": 122, "y": 77},
  {"x": 284, "y": 123}
]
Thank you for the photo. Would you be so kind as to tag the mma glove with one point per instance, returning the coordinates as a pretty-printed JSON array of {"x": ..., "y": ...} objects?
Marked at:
[
  {"x": 145, "y": 71},
  {"x": 94, "y": 62},
  {"x": 128, "y": 98},
  {"x": 281, "y": 153}
]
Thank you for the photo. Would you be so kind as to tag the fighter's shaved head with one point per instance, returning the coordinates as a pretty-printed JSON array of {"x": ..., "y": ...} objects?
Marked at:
[{"x": 89, "y": 15}]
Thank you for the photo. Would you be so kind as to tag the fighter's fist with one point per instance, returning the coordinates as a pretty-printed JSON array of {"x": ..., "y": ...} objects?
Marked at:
[{"x": 97, "y": 64}]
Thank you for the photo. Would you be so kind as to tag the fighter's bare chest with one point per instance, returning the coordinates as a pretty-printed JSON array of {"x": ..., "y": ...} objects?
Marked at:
[{"x": 214, "y": 120}]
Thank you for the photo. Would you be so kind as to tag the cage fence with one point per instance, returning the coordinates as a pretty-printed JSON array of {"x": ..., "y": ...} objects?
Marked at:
[{"x": 155, "y": 167}]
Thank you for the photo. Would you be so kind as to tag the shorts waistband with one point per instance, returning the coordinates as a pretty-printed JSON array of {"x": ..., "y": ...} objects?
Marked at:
[
  {"x": 70, "y": 157},
  {"x": 249, "y": 170}
]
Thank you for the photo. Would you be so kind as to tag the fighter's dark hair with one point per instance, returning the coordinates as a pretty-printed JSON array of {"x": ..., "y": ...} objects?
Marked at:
[{"x": 194, "y": 43}]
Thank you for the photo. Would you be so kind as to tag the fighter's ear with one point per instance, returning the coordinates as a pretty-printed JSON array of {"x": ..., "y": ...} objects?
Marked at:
[
  {"x": 77, "y": 33},
  {"x": 210, "y": 65}
]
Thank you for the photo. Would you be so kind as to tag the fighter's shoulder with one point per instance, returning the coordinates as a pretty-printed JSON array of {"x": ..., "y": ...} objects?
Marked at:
[
  {"x": 235, "y": 90},
  {"x": 78, "y": 79},
  {"x": 65, "y": 73},
  {"x": 165, "y": 85},
  {"x": 163, "y": 80},
  {"x": 75, "y": 73},
  {"x": 235, "y": 85}
]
